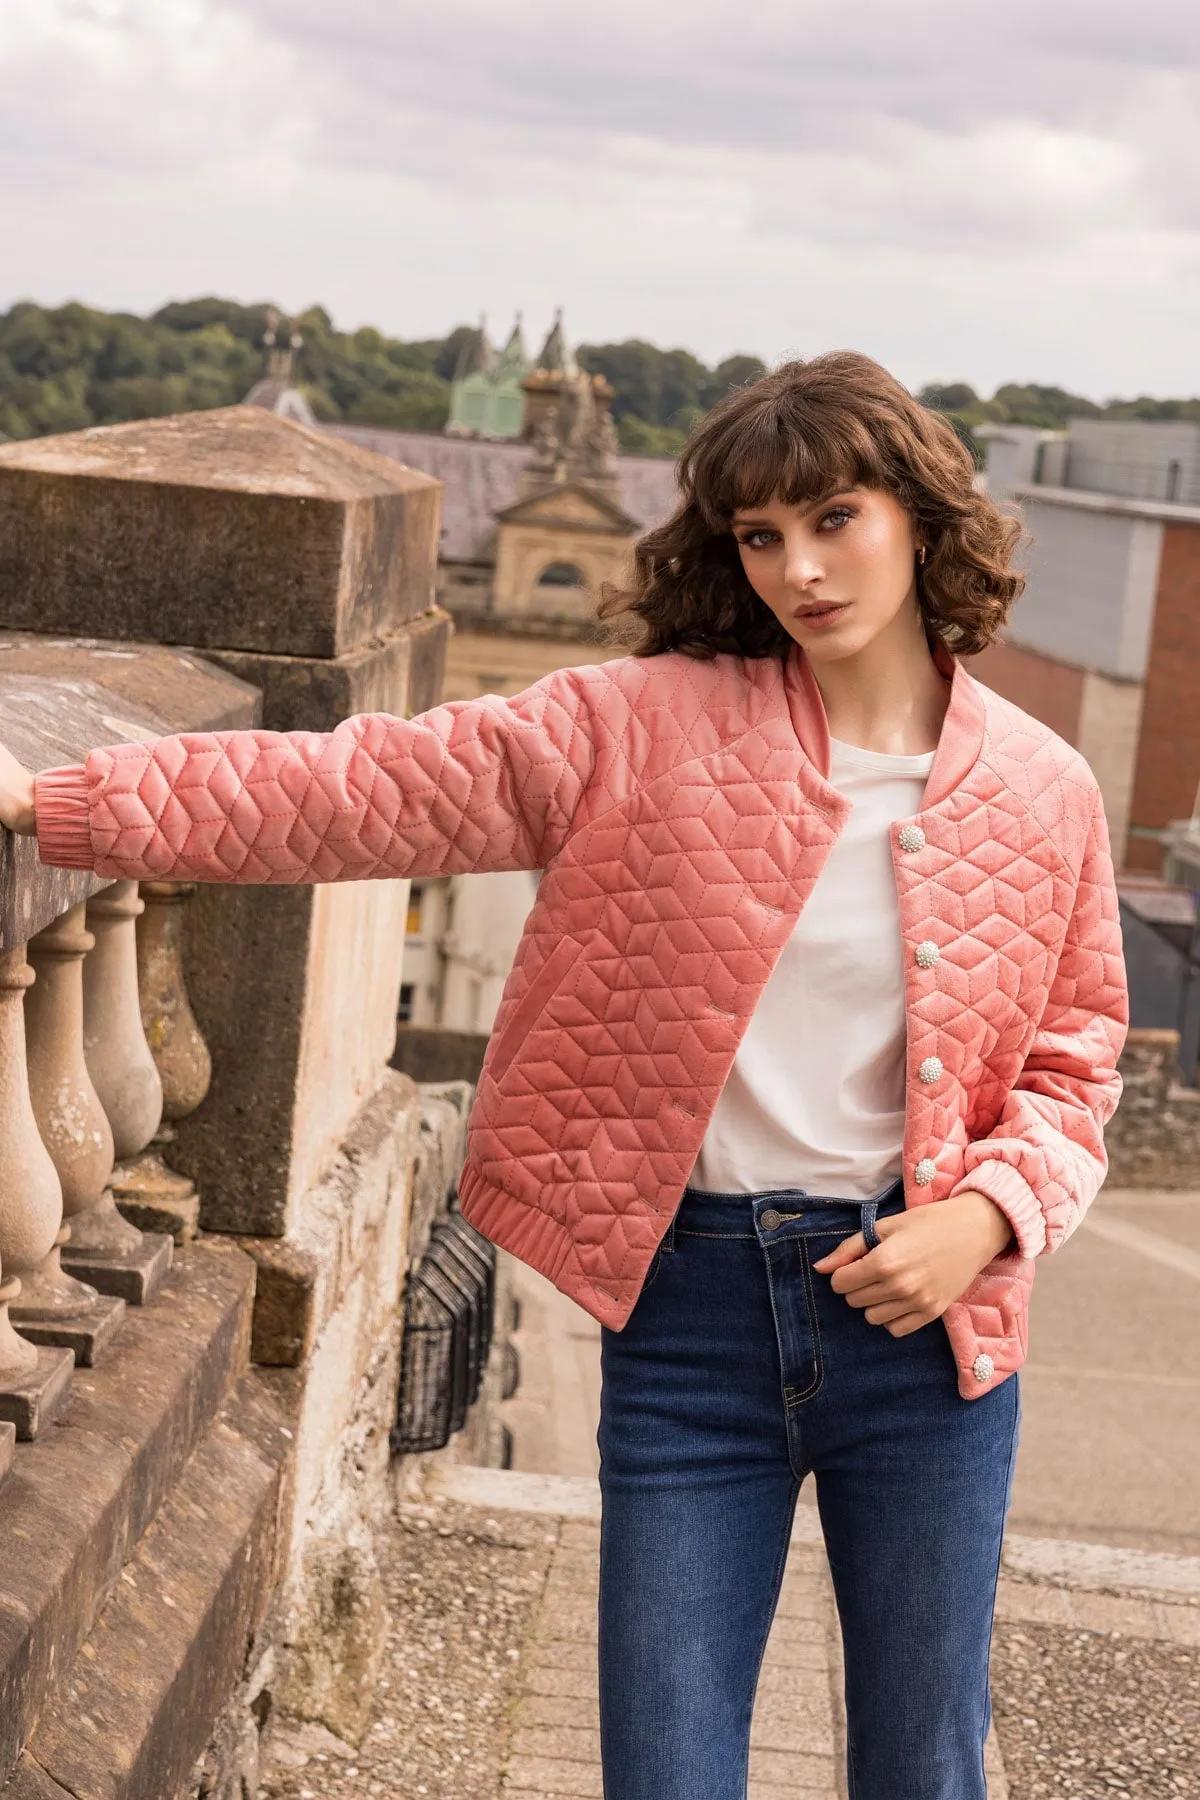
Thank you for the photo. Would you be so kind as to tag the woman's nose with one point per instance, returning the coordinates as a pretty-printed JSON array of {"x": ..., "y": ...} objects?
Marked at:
[{"x": 803, "y": 567}]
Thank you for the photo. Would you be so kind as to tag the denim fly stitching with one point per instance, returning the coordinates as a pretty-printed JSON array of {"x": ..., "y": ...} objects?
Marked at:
[{"x": 792, "y": 1398}]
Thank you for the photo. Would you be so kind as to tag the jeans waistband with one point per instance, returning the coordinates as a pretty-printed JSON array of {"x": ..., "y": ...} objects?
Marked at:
[{"x": 773, "y": 1214}]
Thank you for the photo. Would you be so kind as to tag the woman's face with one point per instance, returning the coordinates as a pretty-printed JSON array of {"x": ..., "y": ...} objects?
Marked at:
[{"x": 836, "y": 574}]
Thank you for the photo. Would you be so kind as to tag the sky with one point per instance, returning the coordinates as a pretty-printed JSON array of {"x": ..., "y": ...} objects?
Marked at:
[{"x": 966, "y": 191}]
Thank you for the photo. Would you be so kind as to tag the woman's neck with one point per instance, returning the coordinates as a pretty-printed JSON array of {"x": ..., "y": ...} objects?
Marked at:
[{"x": 889, "y": 697}]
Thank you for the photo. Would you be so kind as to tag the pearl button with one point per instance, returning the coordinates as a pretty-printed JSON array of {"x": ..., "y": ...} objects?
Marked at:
[
  {"x": 983, "y": 1367},
  {"x": 927, "y": 954},
  {"x": 911, "y": 838},
  {"x": 925, "y": 1171},
  {"x": 771, "y": 1220},
  {"x": 931, "y": 1070}
]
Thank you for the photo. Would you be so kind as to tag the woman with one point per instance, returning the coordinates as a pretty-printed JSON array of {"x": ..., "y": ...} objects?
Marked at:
[{"x": 809, "y": 1045}]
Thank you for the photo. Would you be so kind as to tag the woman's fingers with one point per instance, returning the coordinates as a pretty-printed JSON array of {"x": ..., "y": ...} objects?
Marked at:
[
  {"x": 876, "y": 1293},
  {"x": 909, "y": 1322},
  {"x": 16, "y": 793},
  {"x": 848, "y": 1251}
]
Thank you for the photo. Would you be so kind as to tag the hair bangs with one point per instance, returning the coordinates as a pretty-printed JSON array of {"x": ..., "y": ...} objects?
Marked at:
[{"x": 793, "y": 453}]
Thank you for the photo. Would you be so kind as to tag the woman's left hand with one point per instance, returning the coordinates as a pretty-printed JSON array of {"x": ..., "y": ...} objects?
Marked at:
[
  {"x": 926, "y": 1257},
  {"x": 16, "y": 794}
]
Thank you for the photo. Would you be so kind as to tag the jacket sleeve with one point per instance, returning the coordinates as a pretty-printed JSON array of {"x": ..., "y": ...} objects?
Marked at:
[
  {"x": 469, "y": 785},
  {"x": 1044, "y": 1161}
]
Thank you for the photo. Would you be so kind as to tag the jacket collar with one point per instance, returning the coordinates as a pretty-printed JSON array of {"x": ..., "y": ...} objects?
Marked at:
[{"x": 962, "y": 730}]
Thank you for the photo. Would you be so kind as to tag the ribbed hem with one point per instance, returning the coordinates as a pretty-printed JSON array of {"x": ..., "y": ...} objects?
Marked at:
[
  {"x": 60, "y": 810},
  {"x": 534, "y": 1237},
  {"x": 1016, "y": 1200}
]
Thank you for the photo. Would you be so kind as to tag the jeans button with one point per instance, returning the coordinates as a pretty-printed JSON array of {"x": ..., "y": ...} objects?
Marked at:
[{"x": 771, "y": 1220}]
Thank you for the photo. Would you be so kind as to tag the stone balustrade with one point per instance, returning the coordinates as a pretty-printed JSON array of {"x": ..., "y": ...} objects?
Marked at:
[
  {"x": 211, "y": 1182},
  {"x": 82, "y": 1096}
]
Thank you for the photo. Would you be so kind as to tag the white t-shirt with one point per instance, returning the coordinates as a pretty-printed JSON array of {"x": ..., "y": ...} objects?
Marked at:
[{"x": 815, "y": 1098}]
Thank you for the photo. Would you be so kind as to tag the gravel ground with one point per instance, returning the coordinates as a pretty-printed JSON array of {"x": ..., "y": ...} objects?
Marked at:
[
  {"x": 1083, "y": 1715},
  {"x": 461, "y": 1589}
]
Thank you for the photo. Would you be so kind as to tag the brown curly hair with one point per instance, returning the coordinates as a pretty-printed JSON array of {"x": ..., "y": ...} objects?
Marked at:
[{"x": 799, "y": 434}]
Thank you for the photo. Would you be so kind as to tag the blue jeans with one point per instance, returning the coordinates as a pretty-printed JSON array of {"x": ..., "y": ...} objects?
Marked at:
[{"x": 739, "y": 1373}]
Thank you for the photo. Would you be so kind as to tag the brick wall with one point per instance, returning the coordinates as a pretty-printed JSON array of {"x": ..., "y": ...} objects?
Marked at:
[
  {"x": 1168, "y": 764},
  {"x": 1052, "y": 691}
]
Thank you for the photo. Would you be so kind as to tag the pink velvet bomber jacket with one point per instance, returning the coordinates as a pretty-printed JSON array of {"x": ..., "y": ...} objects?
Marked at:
[{"x": 681, "y": 813}]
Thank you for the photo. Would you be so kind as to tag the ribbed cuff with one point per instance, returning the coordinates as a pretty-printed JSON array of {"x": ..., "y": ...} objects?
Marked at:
[
  {"x": 1000, "y": 1182},
  {"x": 60, "y": 811}
]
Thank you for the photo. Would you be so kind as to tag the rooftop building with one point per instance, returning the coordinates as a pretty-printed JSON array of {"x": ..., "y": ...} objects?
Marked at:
[{"x": 1104, "y": 644}]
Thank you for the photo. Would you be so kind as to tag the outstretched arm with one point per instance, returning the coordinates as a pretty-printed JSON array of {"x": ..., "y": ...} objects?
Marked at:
[{"x": 470, "y": 785}]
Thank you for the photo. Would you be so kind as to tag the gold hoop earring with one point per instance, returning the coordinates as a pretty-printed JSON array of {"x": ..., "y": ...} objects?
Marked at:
[{"x": 921, "y": 553}]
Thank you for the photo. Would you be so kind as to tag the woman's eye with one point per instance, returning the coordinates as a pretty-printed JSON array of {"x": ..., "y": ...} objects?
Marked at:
[
  {"x": 836, "y": 517},
  {"x": 756, "y": 540}
]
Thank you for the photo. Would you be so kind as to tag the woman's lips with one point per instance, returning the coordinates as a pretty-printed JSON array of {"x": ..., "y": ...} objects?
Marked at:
[{"x": 822, "y": 615}]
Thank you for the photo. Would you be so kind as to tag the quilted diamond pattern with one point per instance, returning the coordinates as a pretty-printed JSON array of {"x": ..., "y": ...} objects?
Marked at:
[{"x": 681, "y": 820}]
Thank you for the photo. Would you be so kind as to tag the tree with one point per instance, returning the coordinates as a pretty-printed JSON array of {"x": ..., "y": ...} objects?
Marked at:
[{"x": 949, "y": 396}]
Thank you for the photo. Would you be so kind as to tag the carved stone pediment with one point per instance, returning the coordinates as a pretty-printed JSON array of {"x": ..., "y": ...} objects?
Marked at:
[{"x": 570, "y": 504}]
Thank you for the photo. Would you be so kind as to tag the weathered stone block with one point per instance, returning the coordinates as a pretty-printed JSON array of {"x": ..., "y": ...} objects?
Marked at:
[
  {"x": 29, "y": 1782},
  {"x": 134, "y": 1277},
  {"x": 429, "y": 1054},
  {"x": 299, "y": 690},
  {"x": 87, "y": 1337},
  {"x": 295, "y": 989},
  {"x": 33, "y": 1401},
  {"x": 233, "y": 528},
  {"x": 78, "y": 1501},
  {"x": 286, "y": 1301},
  {"x": 360, "y": 1206},
  {"x": 444, "y": 1109},
  {"x": 137, "y": 1706},
  {"x": 336, "y": 1665}
]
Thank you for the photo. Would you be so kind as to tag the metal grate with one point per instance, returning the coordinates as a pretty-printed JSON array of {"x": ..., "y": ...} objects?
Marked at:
[{"x": 447, "y": 1336}]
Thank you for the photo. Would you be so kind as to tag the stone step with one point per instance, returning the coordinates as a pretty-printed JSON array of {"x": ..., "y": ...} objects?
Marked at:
[
  {"x": 78, "y": 1501},
  {"x": 136, "y": 1710}
]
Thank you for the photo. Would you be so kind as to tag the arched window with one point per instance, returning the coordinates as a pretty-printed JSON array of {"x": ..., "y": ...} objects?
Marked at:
[{"x": 560, "y": 575}]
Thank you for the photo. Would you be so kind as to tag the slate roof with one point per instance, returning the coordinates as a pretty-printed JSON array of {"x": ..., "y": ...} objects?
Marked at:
[{"x": 480, "y": 478}]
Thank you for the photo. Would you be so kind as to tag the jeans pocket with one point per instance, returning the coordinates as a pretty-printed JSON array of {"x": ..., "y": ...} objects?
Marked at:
[
  {"x": 666, "y": 1248},
  {"x": 652, "y": 1271}
]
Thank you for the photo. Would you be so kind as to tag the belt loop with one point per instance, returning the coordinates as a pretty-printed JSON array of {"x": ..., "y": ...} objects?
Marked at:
[{"x": 869, "y": 1209}]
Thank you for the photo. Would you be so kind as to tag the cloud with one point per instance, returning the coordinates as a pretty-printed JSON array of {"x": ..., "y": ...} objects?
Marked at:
[{"x": 989, "y": 194}]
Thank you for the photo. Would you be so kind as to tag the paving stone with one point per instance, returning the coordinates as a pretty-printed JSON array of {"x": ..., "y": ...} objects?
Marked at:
[
  {"x": 789, "y": 1771},
  {"x": 547, "y": 1775},
  {"x": 544, "y": 1709},
  {"x": 562, "y": 1743},
  {"x": 801, "y": 1720},
  {"x": 570, "y": 1654},
  {"x": 562, "y": 1684}
]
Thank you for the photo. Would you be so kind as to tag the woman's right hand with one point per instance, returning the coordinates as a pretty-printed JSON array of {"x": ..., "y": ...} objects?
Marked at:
[{"x": 16, "y": 794}]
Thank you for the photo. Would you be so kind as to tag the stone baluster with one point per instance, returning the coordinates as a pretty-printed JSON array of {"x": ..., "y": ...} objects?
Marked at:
[
  {"x": 104, "y": 1248},
  {"x": 33, "y": 1381},
  {"x": 148, "y": 1192},
  {"x": 54, "y": 1308}
]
